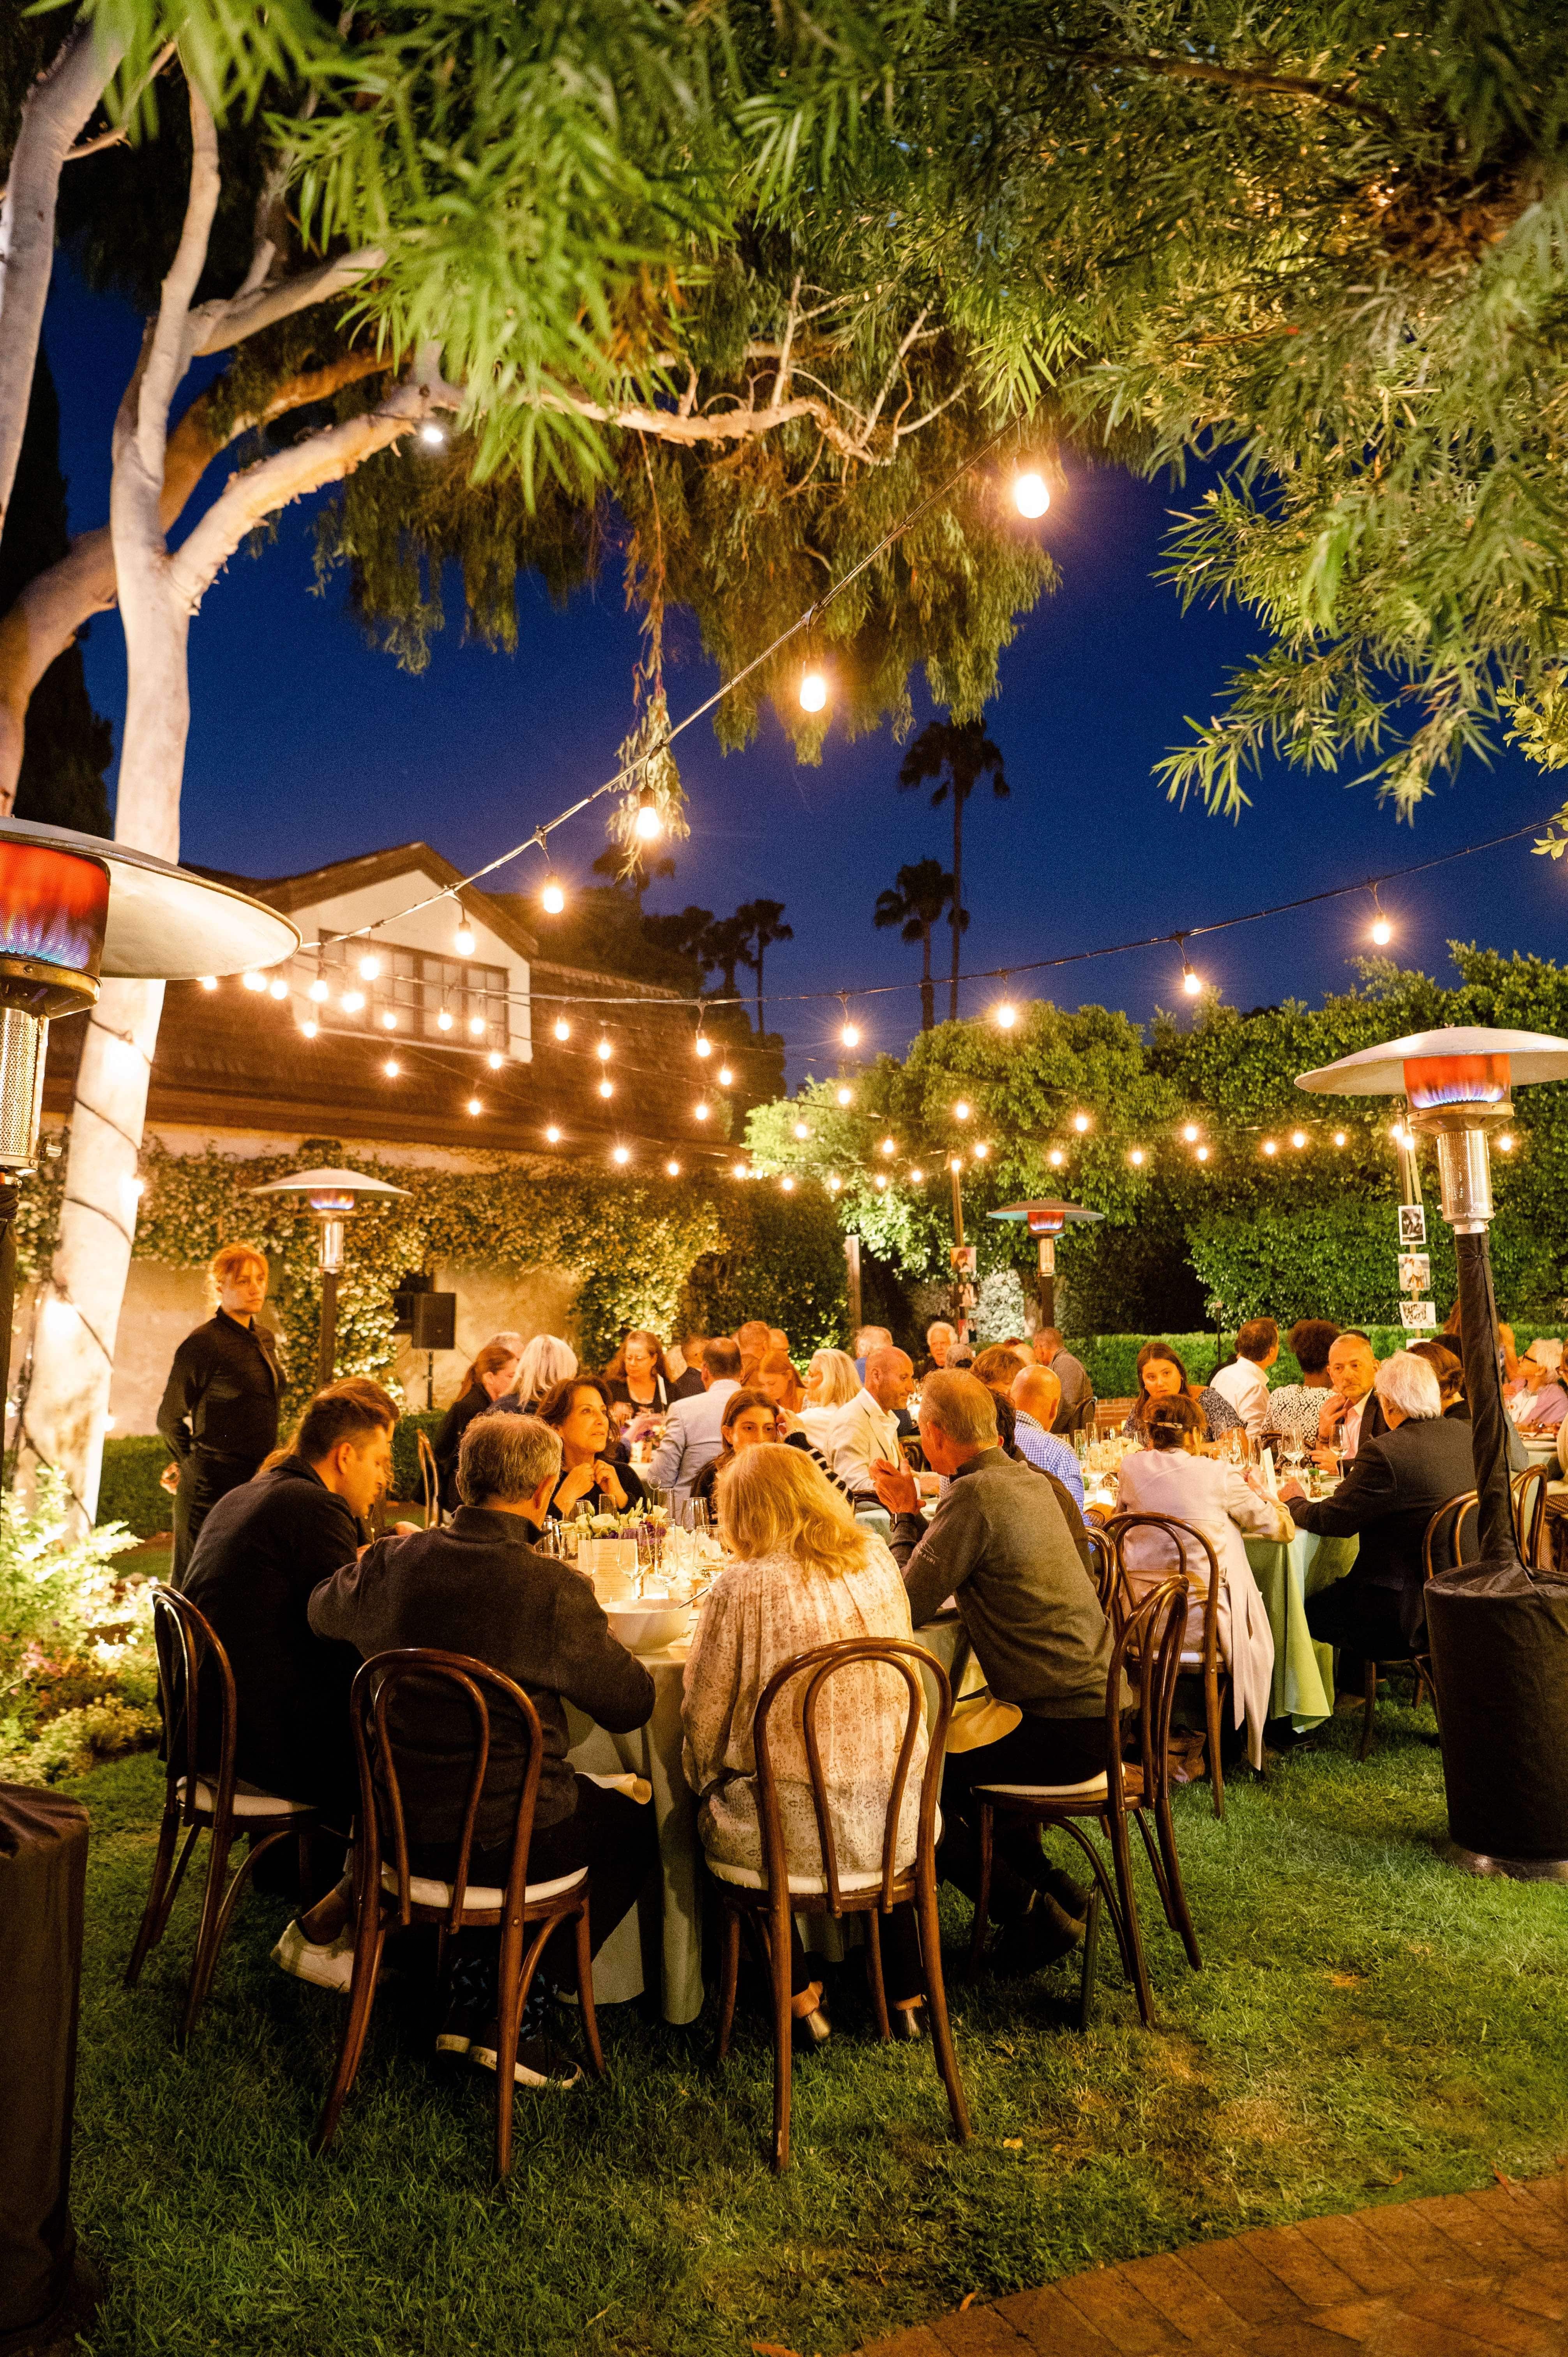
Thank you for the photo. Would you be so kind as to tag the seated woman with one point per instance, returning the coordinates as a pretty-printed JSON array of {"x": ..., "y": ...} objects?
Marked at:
[
  {"x": 804, "y": 1574},
  {"x": 546, "y": 1361},
  {"x": 1294, "y": 1409},
  {"x": 1449, "y": 1371},
  {"x": 644, "y": 1380},
  {"x": 1162, "y": 1376},
  {"x": 831, "y": 1384},
  {"x": 1168, "y": 1477},
  {"x": 489, "y": 1378},
  {"x": 578, "y": 1410},
  {"x": 1538, "y": 1400}
]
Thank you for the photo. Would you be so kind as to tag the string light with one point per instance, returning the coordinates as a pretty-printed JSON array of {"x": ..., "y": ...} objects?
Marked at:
[
  {"x": 916, "y": 1177},
  {"x": 495, "y": 1059},
  {"x": 673, "y": 1168},
  {"x": 621, "y": 1153},
  {"x": 739, "y": 1170},
  {"x": 1203, "y": 1153},
  {"x": 1136, "y": 1158},
  {"x": 474, "y": 1105},
  {"x": 607, "y": 1088},
  {"x": 726, "y": 1076},
  {"x": 881, "y": 1180},
  {"x": 1031, "y": 496},
  {"x": 463, "y": 939},
  {"x": 1298, "y": 1138},
  {"x": 1004, "y": 1014},
  {"x": 1268, "y": 1145},
  {"x": 476, "y": 1027},
  {"x": 813, "y": 691},
  {"x": 1081, "y": 1123},
  {"x": 210, "y": 982},
  {"x": 1505, "y": 1143},
  {"x": 961, "y": 1111},
  {"x": 1382, "y": 931},
  {"x": 310, "y": 1028},
  {"x": 704, "y": 1046},
  {"x": 889, "y": 1146},
  {"x": 1056, "y": 1157},
  {"x": 956, "y": 1162},
  {"x": 1338, "y": 1137},
  {"x": 392, "y": 1068},
  {"x": 444, "y": 1020},
  {"x": 353, "y": 1001},
  {"x": 552, "y": 896},
  {"x": 603, "y": 1051},
  {"x": 553, "y": 1136},
  {"x": 278, "y": 986},
  {"x": 319, "y": 991},
  {"x": 1190, "y": 1133},
  {"x": 788, "y": 1186},
  {"x": 802, "y": 1130},
  {"x": 846, "y": 1096},
  {"x": 835, "y": 1185},
  {"x": 369, "y": 968},
  {"x": 434, "y": 437},
  {"x": 255, "y": 981},
  {"x": 647, "y": 826},
  {"x": 389, "y": 1021},
  {"x": 562, "y": 1028},
  {"x": 981, "y": 1152},
  {"x": 699, "y": 1113},
  {"x": 850, "y": 1034},
  {"x": 1191, "y": 980}
]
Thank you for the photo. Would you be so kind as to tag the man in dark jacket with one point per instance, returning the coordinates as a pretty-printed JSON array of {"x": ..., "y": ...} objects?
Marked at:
[
  {"x": 480, "y": 1587},
  {"x": 219, "y": 1407},
  {"x": 1395, "y": 1484},
  {"x": 263, "y": 1549}
]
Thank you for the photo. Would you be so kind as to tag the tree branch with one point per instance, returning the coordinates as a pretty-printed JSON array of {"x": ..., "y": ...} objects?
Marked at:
[
  {"x": 168, "y": 351},
  {"x": 1249, "y": 82},
  {"x": 229, "y": 320}
]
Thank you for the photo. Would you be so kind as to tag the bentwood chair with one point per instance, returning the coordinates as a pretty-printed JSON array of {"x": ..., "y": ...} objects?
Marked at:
[
  {"x": 1205, "y": 1580},
  {"x": 397, "y": 1702},
  {"x": 1441, "y": 1548},
  {"x": 766, "y": 1898},
  {"x": 196, "y": 1695},
  {"x": 1150, "y": 1645},
  {"x": 1530, "y": 1494},
  {"x": 1107, "y": 1575},
  {"x": 429, "y": 1483}
]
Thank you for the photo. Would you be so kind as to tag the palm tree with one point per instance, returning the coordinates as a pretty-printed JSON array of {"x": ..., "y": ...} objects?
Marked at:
[
  {"x": 918, "y": 900},
  {"x": 957, "y": 755},
  {"x": 722, "y": 946},
  {"x": 760, "y": 921}
]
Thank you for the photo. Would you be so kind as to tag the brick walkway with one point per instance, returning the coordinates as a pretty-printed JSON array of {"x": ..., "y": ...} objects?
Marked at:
[{"x": 1461, "y": 2276}]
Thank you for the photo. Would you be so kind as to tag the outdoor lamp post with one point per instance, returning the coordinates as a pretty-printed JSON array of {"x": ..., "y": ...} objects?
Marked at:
[
  {"x": 330, "y": 1197},
  {"x": 1498, "y": 1628},
  {"x": 73, "y": 908},
  {"x": 1046, "y": 1220}
]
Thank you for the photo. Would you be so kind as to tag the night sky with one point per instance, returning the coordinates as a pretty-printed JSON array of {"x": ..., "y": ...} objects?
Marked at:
[{"x": 306, "y": 745}]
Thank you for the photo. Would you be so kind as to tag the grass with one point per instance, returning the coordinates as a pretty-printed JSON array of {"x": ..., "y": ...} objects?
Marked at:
[{"x": 1370, "y": 2026}]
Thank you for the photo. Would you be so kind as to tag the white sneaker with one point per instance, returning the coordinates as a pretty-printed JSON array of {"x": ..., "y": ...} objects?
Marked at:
[{"x": 328, "y": 1966}]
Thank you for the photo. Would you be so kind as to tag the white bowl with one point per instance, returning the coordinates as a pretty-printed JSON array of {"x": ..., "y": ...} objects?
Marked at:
[{"x": 648, "y": 1626}]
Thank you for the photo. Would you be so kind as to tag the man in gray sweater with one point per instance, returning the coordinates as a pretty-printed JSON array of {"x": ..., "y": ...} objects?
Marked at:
[
  {"x": 999, "y": 1544},
  {"x": 480, "y": 1587}
]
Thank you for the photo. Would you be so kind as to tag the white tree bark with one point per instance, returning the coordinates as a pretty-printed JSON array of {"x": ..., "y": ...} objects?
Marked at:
[{"x": 54, "y": 110}]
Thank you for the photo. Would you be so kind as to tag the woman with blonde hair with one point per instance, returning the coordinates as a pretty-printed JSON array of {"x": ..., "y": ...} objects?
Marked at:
[
  {"x": 831, "y": 1384},
  {"x": 545, "y": 1361},
  {"x": 804, "y": 1572},
  {"x": 220, "y": 1408}
]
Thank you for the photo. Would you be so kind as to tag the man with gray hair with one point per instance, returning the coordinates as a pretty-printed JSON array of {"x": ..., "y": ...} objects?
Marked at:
[
  {"x": 480, "y": 1587},
  {"x": 999, "y": 1544},
  {"x": 1395, "y": 1483}
]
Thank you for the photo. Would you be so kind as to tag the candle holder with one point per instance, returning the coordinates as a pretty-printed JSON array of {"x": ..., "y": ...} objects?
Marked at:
[
  {"x": 331, "y": 1197},
  {"x": 1497, "y": 1627}
]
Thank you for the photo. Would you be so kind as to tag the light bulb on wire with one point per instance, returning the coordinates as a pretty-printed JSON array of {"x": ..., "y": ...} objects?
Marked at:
[
  {"x": 704, "y": 1046},
  {"x": 495, "y": 1059},
  {"x": 961, "y": 1111},
  {"x": 647, "y": 826},
  {"x": 1031, "y": 494},
  {"x": 444, "y": 1020},
  {"x": 788, "y": 1186},
  {"x": 1203, "y": 1153},
  {"x": 700, "y": 1111},
  {"x": 310, "y": 1028},
  {"x": 1005, "y": 1015},
  {"x": 1056, "y": 1157},
  {"x": 621, "y": 1153},
  {"x": 607, "y": 1088},
  {"x": 673, "y": 1169},
  {"x": 476, "y": 1027},
  {"x": 725, "y": 1076},
  {"x": 562, "y": 1028},
  {"x": 278, "y": 987},
  {"x": 474, "y": 1106},
  {"x": 1081, "y": 1123},
  {"x": 1189, "y": 1132},
  {"x": 369, "y": 968},
  {"x": 846, "y": 1096},
  {"x": 1137, "y": 1157},
  {"x": 463, "y": 939},
  {"x": 1298, "y": 1138},
  {"x": 389, "y": 1020},
  {"x": 319, "y": 991},
  {"x": 353, "y": 1001},
  {"x": 850, "y": 1033},
  {"x": 916, "y": 1176},
  {"x": 255, "y": 981},
  {"x": 813, "y": 691},
  {"x": 553, "y": 1136},
  {"x": 392, "y": 1068},
  {"x": 980, "y": 1151},
  {"x": 1191, "y": 980},
  {"x": 802, "y": 1130},
  {"x": 552, "y": 896},
  {"x": 210, "y": 982},
  {"x": 603, "y": 1051},
  {"x": 1382, "y": 931}
]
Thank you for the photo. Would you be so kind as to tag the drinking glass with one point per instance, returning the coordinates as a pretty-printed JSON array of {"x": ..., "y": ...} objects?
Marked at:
[{"x": 698, "y": 1519}]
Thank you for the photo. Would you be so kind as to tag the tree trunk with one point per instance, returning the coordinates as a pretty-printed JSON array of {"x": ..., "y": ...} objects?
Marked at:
[
  {"x": 957, "y": 919},
  {"x": 53, "y": 113},
  {"x": 761, "y": 1026},
  {"x": 927, "y": 997}
]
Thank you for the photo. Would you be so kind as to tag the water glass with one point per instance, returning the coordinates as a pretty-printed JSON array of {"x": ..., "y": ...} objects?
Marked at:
[{"x": 698, "y": 1519}]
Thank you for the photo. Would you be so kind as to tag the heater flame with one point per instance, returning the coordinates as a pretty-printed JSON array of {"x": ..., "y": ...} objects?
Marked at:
[{"x": 1431, "y": 1081}]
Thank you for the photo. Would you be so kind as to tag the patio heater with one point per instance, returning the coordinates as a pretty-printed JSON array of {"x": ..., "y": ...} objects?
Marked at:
[
  {"x": 73, "y": 908},
  {"x": 1498, "y": 1628},
  {"x": 1046, "y": 1220},
  {"x": 331, "y": 1197}
]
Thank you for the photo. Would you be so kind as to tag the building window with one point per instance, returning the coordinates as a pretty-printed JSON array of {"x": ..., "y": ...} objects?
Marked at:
[{"x": 451, "y": 999}]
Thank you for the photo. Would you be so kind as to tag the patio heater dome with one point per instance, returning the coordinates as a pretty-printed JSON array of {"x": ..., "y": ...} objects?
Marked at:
[{"x": 330, "y": 1197}]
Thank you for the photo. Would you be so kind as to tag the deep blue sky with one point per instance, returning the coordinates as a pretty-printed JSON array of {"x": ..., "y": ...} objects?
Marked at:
[{"x": 306, "y": 745}]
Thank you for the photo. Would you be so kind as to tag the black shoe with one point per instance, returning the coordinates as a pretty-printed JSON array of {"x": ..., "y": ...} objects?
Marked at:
[
  {"x": 540, "y": 2061},
  {"x": 811, "y": 2031},
  {"x": 1037, "y": 1938},
  {"x": 458, "y": 2031}
]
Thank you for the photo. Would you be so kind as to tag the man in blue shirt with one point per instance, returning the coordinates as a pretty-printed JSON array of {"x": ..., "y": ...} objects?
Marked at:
[{"x": 1036, "y": 1396}]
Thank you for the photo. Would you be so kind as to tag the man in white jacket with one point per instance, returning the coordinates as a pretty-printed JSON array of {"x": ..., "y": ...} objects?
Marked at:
[
  {"x": 1245, "y": 1382},
  {"x": 693, "y": 1437}
]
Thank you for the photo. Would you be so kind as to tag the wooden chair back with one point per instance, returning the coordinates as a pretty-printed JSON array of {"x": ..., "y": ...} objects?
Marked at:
[
  {"x": 1110, "y": 1414},
  {"x": 455, "y": 1679},
  {"x": 1530, "y": 1508},
  {"x": 1106, "y": 1575},
  {"x": 196, "y": 1695},
  {"x": 1149, "y": 1643},
  {"x": 1182, "y": 1536},
  {"x": 822, "y": 1663},
  {"x": 429, "y": 1483},
  {"x": 1442, "y": 1548}
]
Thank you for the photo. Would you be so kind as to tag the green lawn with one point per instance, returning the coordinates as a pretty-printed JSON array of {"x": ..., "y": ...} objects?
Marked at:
[{"x": 1370, "y": 2024}]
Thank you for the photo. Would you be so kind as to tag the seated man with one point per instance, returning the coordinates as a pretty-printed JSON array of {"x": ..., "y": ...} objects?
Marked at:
[
  {"x": 1245, "y": 1382},
  {"x": 1036, "y": 1398},
  {"x": 865, "y": 1431},
  {"x": 1077, "y": 1392},
  {"x": 262, "y": 1550},
  {"x": 999, "y": 1544},
  {"x": 1394, "y": 1486},
  {"x": 694, "y": 1432},
  {"x": 480, "y": 1587}
]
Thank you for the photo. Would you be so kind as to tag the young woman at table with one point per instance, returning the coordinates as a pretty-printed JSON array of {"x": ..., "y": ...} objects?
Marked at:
[
  {"x": 1168, "y": 1477},
  {"x": 645, "y": 1380},
  {"x": 489, "y": 1378},
  {"x": 1162, "y": 1376},
  {"x": 749, "y": 1418},
  {"x": 831, "y": 1384},
  {"x": 579, "y": 1410},
  {"x": 803, "y": 1573}
]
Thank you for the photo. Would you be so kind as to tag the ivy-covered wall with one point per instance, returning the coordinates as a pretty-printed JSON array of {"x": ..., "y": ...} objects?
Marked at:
[{"x": 669, "y": 1255}]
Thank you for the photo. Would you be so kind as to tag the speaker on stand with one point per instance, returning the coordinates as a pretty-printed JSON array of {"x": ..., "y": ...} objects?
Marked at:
[{"x": 433, "y": 1326}]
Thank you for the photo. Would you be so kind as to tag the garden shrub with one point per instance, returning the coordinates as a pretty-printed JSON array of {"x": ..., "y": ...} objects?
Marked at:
[
  {"x": 76, "y": 1680},
  {"x": 128, "y": 1489}
]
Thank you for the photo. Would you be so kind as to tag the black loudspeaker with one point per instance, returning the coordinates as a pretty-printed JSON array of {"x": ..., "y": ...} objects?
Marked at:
[
  {"x": 433, "y": 1326},
  {"x": 408, "y": 1285}
]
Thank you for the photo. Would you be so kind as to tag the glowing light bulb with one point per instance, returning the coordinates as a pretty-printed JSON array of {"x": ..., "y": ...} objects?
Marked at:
[
  {"x": 1136, "y": 1158},
  {"x": 1398, "y": 1134},
  {"x": 704, "y": 1047},
  {"x": 255, "y": 981},
  {"x": 389, "y": 1021},
  {"x": 739, "y": 1170},
  {"x": 1191, "y": 981},
  {"x": 916, "y": 1176},
  {"x": 310, "y": 1028},
  {"x": 726, "y": 1076},
  {"x": 961, "y": 1111},
  {"x": 1505, "y": 1143},
  {"x": 319, "y": 991},
  {"x": 1006, "y": 1016},
  {"x": 1081, "y": 1123},
  {"x": 603, "y": 1051},
  {"x": 562, "y": 1028},
  {"x": 476, "y": 1027},
  {"x": 850, "y": 1034},
  {"x": 1382, "y": 932},
  {"x": 802, "y": 1129},
  {"x": 462, "y": 938},
  {"x": 553, "y": 1136},
  {"x": 846, "y": 1096},
  {"x": 1298, "y": 1138},
  {"x": 444, "y": 1020},
  {"x": 1268, "y": 1145},
  {"x": 835, "y": 1185},
  {"x": 353, "y": 1002},
  {"x": 786, "y": 1186},
  {"x": 607, "y": 1088},
  {"x": 474, "y": 1105},
  {"x": 210, "y": 982},
  {"x": 813, "y": 691},
  {"x": 369, "y": 967},
  {"x": 621, "y": 1154},
  {"x": 700, "y": 1113},
  {"x": 1030, "y": 494},
  {"x": 1056, "y": 1157},
  {"x": 1338, "y": 1137},
  {"x": 956, "y": 1162},
  {"x": 1203, "y": 1153},
  {"x": 1190, "y": 1133},
  {"x": 495, "y": 1059},
  {"x": 981, "y": 1152},
  {"x": 673, "y": 1168},
  {"x": 647, "y": 826},
  {"x": 392, "y": 1068},
  {"x": 434, "y": 437},
  {"x": 552, "y": 897},
  {"x": 889, "y": 1146},
  {"x": 278, "y": 987}
]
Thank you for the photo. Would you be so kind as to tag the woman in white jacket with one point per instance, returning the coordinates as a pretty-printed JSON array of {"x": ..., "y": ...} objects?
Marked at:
[{"x": 1169, "y": 1476}]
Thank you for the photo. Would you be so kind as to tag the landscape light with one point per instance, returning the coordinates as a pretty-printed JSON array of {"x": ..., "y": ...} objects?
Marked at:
[
  {"x": 813, "y": 691},
  {"x": 463, "y": 939},
  {"x": 552, "y": 896},
  {"x": 647, "y": 826},
  {"x": 1031, "y": 495}
]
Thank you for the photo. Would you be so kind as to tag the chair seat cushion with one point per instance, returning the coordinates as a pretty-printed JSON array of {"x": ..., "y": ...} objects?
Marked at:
[
  {"x": 427, "y": 1892},
  {"x": 804, "y": 1886},
  {"x": 1093, "y": 1787},
  {"x": 249, "y": 1801}
]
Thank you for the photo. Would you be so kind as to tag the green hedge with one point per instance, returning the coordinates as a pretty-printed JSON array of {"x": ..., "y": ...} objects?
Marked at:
[
  {"x": 128, "y": 1491},
  {"x": 405, "y": 1448},
  {"x": 1111, "y": 1359}
]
